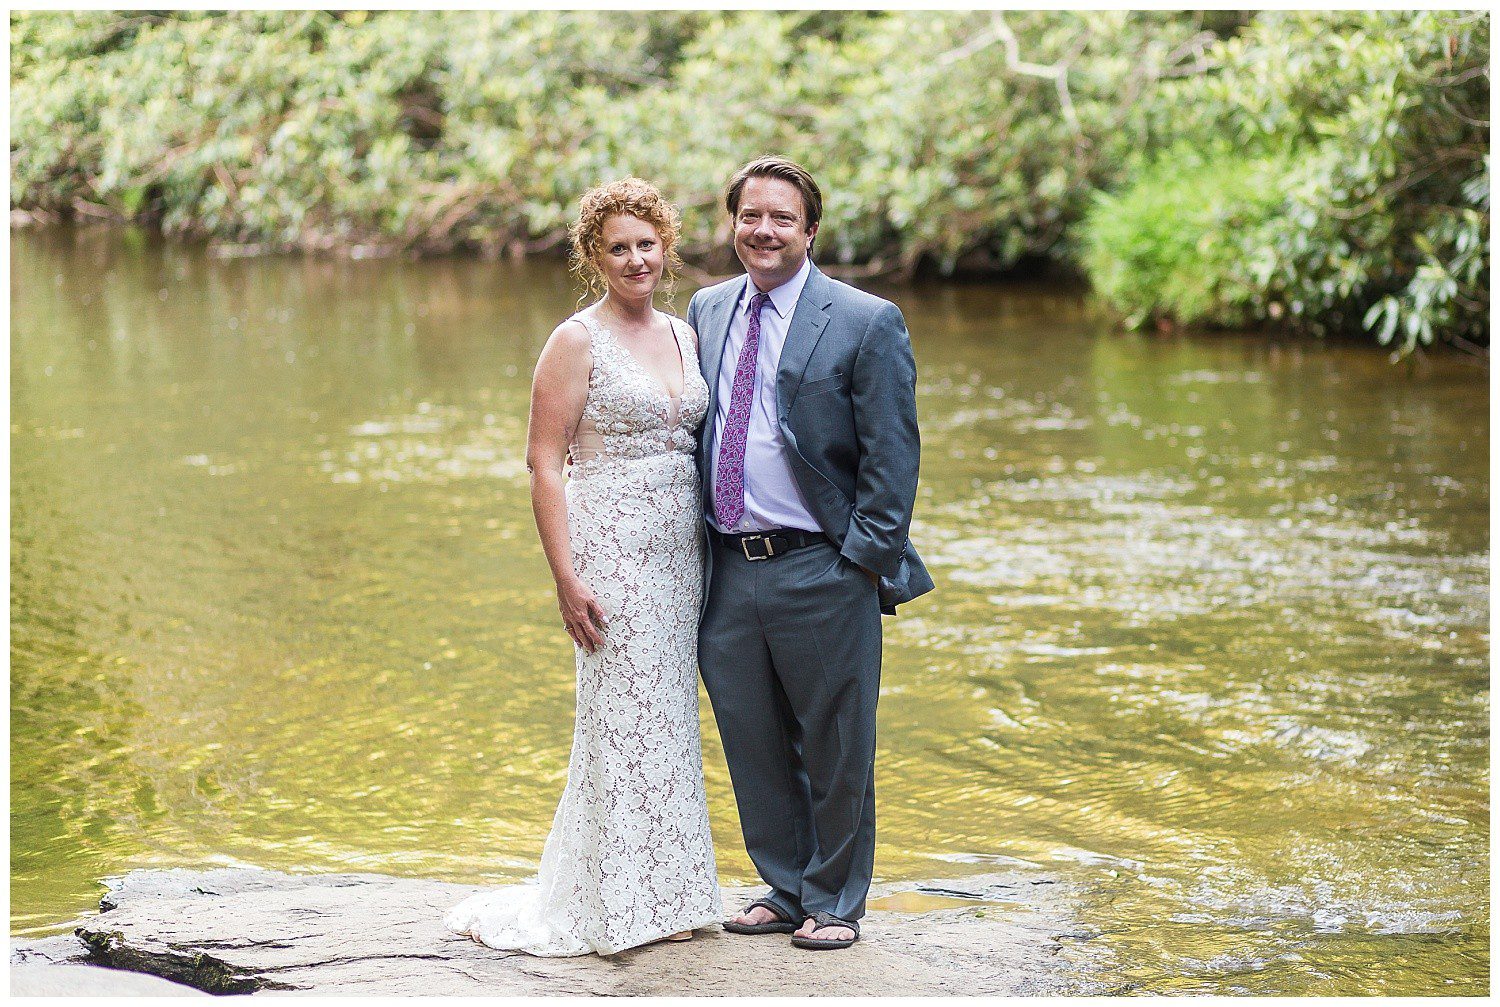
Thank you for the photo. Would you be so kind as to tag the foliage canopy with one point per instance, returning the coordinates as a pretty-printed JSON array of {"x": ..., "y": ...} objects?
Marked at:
[
  {"x": 1330, "y": 172},
  {"x": 1327, "y": 170}
]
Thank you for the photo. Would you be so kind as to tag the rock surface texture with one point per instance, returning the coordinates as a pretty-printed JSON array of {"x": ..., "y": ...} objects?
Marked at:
[
  {"x": 245, "y": 931},
  {"x": 90, "y": 980}
]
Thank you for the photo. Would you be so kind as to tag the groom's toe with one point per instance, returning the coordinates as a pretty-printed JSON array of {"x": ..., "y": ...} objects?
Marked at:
[{"x": 832, "y": 932}]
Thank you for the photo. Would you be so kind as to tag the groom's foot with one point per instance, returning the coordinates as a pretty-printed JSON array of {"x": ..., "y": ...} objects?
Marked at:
[
  {"x": 761, "y": 917},
  {"x": 831, "y": 935},
  {"x": 755, "y": 917}
]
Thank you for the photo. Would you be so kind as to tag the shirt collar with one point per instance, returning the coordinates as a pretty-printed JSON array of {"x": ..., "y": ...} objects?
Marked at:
[{"x": 784, "y": 297}]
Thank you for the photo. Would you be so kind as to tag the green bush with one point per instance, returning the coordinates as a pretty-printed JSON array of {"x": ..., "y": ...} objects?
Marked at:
[{"x": 1173, "y": 243}]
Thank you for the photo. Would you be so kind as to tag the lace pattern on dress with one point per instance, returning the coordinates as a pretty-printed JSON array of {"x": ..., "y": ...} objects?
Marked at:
[{"x": 630, "y": 857}]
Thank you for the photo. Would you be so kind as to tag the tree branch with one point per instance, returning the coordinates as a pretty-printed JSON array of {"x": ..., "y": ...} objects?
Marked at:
[
  {"x": 1058, "y": 74},
  {"x": 999, "y": 31}
]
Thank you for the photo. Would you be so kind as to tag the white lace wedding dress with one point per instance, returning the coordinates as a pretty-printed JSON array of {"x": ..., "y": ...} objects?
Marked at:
[{"x": 630, "y": 858}]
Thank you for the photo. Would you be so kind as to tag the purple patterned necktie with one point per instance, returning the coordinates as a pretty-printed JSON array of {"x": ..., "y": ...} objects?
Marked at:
[{"x": 729, "y": 479}]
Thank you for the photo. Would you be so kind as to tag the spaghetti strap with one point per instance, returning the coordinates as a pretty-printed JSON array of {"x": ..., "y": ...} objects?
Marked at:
[{"x": 682, "y": 347}]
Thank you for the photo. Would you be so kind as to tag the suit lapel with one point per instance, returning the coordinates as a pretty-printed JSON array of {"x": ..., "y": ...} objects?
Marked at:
[
  {"x": 714, "y": 336},
  {"x": 809, "y": 319}
]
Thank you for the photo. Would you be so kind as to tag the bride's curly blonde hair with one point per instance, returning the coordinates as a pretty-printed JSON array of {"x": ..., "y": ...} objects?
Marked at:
[{"x": 634, "y": 197}]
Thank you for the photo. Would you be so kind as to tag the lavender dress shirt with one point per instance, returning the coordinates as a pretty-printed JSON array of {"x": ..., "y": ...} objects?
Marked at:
[{"x": 772, "y": 499}]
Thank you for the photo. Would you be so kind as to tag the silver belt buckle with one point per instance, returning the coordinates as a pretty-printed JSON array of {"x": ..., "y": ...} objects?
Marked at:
[{"x": 745, "y": 547}]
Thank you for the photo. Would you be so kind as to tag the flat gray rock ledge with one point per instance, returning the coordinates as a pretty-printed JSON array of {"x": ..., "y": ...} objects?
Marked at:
[
  {"x": 238, "y": 930},
  {"x": 91, "y": 980}
]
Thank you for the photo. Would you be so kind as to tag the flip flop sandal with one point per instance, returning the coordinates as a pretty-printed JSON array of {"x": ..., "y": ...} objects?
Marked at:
[
  {"x": 783, "y": 924},
  {"x": 826, "y": 920}
]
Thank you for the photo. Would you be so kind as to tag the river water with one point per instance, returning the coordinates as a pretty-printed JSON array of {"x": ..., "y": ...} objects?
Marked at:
[{"x": 1210, "y": 640}]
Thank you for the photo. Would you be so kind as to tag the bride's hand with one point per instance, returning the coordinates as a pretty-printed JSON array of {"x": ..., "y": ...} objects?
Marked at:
[{"x": 582, "y": 614}]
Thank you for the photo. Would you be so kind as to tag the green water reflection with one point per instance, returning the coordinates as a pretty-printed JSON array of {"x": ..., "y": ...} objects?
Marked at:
[{"x": 1210, "y": 639}]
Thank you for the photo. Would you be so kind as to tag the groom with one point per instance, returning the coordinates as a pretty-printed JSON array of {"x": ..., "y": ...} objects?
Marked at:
[{"x": 809, "y": 463}]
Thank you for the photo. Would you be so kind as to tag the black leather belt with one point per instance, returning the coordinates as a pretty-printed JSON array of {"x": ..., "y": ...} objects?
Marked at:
[{"x": 758, "y": 545}]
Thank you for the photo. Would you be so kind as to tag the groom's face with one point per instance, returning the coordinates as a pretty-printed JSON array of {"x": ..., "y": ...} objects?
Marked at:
[{"x": 771, "y": 235}]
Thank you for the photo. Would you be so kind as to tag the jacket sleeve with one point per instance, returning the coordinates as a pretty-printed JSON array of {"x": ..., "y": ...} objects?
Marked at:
[
  {"x": 884, "y": 394},
  {"x": 692, "y": 311}
]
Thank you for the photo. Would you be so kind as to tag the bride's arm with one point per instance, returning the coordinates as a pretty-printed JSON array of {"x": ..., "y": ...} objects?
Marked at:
[{"x": 559, "y": 391}]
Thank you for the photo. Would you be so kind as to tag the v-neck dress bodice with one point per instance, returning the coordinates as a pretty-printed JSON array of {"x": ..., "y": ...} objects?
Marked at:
[{"x": 629, "y": 414}]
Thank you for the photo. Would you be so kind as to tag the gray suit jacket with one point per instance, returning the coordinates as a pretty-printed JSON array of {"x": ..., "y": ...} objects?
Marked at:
[{"x": 846, "y": 391}]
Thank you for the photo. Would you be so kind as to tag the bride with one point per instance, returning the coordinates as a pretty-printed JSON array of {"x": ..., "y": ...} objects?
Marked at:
[{"x": 618, "y": 393}]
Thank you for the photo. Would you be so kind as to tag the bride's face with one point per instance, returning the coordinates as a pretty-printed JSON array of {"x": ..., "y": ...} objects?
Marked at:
[{"x": 631, "y": 256}]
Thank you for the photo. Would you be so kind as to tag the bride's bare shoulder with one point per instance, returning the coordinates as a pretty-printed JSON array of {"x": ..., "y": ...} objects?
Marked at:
[
  {"x": 570, "y": 336},
  {"x": 568, "y": 351}
]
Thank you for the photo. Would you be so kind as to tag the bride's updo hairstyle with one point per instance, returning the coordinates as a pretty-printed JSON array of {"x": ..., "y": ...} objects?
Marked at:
[{"x": 637, "y": 198}]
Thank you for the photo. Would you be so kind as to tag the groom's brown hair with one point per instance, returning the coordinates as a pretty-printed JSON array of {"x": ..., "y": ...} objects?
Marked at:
[{"x": 775, "y": 166}]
